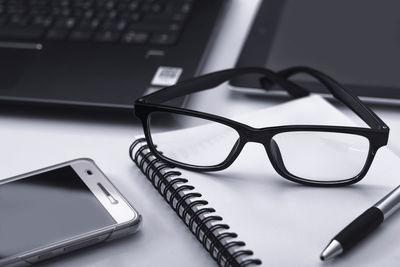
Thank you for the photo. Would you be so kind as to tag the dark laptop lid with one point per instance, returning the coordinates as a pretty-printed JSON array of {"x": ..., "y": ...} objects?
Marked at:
[{"x": 356, "y": 42}]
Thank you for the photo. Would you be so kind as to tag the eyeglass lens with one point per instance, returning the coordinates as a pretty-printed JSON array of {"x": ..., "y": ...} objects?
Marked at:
[
  {"x": 321, "y": 156},
  {"x": 195, "y": 141}
]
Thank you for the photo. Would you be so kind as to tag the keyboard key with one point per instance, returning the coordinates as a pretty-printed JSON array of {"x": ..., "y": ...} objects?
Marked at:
[
  {"x": 88, "y": 13},
  {"x": 121, "y": 25},
  {"x": 112, "y": 14},
  {"x": 101, "y": 14},
  {"x": 107, "y": 36},
  {"x": 135, "y": 17},
  {"x": 187, "y": 7},
  {"x": 109, "y": 5},
  {"x": 64, "y": 3},
  {"x": 39, "y": 11},
  {"x": 132, "y": 37},
  {"x": 65, "y": 11},
  {"x": 146, "y": 7},
  {"x": 88, "y": 25},
  {"x": 40, "y": 21},
  {"x": 85, "y": 4},
  {"x": 155, "y": 27},
  {"x": 70, "y": 22},
  {"x": 80, "y": 36},
  {"x": 122, "y": 6},
  {"x": 21, "y": 33},
  {"x": 113, "y": 25},
  {"x": 179, "y": 17},
  {"x": 65, "y": 23},
  {"x": 133, "y": 6},
  {"x": 156, "y": 8},
  {"x": 163, "y": 39},
  {"x": 56, "y": 35},
  {"x": 77, "y": 12},
  {"x": 55, "y": 11},
  {"x": 18, "y": 21}
]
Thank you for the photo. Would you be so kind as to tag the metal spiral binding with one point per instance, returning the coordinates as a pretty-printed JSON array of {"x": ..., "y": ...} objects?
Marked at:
[{"x": 223, "y": 256}]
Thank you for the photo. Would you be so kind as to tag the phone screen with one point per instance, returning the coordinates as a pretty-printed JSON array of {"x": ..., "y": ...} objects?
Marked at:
[{"x": 45, "y": 208}]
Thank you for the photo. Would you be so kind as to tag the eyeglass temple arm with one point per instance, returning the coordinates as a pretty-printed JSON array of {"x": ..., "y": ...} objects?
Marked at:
[
  {"x": 341, "y": 93},
  {"x": 212, "y": 80}
]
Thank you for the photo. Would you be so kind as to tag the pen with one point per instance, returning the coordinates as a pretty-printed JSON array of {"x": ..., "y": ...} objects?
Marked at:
[{"x": 363, "y": 225}]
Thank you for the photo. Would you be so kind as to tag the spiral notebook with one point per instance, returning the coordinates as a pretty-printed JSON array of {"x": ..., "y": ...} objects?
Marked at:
[{"x": 248, "y": 215}]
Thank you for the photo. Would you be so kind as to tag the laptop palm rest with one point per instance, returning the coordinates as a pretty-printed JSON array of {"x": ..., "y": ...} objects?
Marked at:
[{"x": 13, "y": 65}]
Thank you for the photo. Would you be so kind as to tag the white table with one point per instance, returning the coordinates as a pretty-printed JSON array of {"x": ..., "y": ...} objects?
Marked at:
[{"x": 29, "y": 142}]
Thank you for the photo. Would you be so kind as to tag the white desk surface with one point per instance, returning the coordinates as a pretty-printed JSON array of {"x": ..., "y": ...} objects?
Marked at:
[{"x": 29, "y": 141}]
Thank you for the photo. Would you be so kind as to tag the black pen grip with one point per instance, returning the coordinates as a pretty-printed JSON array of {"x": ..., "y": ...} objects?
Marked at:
[{"x": 360, "y": 228}]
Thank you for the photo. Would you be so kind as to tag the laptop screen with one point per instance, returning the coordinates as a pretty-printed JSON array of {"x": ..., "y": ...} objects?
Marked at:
[{"x": 356, "y": 42}]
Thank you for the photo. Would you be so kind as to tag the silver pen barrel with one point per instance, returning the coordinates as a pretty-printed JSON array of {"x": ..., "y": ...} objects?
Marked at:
[{"x": 390, "y": 203}]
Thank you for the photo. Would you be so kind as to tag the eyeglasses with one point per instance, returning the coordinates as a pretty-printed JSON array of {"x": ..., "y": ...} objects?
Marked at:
[{"x": 308, "y": 154}]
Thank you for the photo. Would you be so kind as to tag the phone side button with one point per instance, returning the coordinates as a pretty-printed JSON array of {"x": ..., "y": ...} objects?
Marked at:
[
  {"x": 42, "y": 257},
  {"x": 83, "y": 244},
  {"x": 46, "y": 256}
]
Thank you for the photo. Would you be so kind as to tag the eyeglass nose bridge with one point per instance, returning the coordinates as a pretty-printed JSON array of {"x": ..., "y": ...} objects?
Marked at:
[
  {"x": 254, "y": 135},
  {"x": 265, "y": 137}
]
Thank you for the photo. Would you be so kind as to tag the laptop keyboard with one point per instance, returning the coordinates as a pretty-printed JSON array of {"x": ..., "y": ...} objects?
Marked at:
[{"x": 157, "y": 22}]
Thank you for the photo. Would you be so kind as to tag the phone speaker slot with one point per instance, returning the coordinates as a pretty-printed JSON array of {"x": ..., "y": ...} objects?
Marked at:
[{"x": 109, "y": 196}]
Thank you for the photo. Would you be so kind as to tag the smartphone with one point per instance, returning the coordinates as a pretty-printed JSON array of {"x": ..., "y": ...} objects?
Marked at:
[{"x": 59, "y": 209}]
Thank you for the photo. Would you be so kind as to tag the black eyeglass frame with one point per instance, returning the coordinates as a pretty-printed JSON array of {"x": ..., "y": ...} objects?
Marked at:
[{"x": 377, "y": 135}]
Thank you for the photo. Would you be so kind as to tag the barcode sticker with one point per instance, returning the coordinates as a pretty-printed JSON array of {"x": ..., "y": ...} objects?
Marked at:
[{"x": 166, "y": 76}]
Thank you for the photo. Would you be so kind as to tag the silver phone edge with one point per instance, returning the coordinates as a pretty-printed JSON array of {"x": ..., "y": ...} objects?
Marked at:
[{"x": 95, "y": 237}]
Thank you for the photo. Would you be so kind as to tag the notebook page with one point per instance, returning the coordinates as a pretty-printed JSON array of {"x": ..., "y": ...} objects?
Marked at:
[{"x": 284, "y": 223}]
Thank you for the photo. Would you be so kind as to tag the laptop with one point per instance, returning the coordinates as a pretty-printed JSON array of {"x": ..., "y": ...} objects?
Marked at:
[
  {"x": 100, "y": 53},
  {"x": 356, "y": 42}
]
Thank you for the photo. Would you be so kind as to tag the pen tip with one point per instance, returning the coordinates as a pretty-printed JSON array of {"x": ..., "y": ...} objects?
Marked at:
[{"x": 332, "y": 250}]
